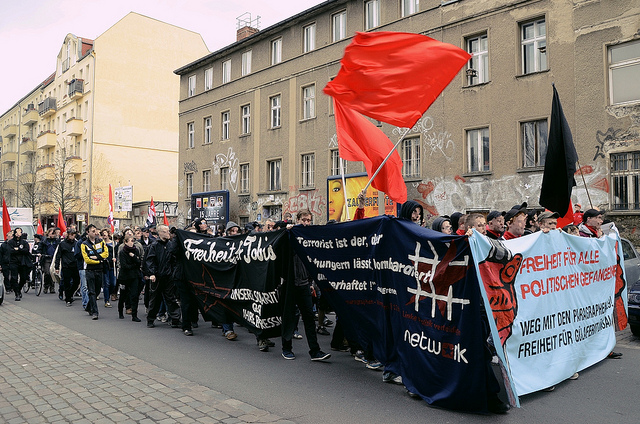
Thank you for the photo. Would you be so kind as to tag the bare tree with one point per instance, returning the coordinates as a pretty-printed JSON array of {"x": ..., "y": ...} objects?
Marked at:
[{"x": 63, "y": 190}]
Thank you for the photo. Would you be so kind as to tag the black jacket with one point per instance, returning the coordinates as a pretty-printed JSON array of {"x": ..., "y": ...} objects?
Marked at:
[
  {"x": 5, "y": 256},
  {"x": 161, "y": 259},
  {"x": 129, "y": 265},
  {"x": 19, "y": 251},
  {"x": 66, "y": 255}
]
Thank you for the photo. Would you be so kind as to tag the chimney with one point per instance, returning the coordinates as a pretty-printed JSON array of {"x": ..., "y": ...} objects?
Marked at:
[{"x": 246, "y": 27}]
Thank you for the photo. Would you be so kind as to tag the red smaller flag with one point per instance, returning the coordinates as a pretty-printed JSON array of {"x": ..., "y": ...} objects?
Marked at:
[
  {"x": 567, "y": 218},
  {"x": 40, "y": 231},
  {"x": 61, "y": 224},
  {"x": 110, "y": 217},
  {"x": 165, "y": 221},
  {"x": 6, "y": 226}
]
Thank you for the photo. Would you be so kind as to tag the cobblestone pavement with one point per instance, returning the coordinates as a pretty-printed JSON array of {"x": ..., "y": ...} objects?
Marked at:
[{"x": 67, "y": 387}]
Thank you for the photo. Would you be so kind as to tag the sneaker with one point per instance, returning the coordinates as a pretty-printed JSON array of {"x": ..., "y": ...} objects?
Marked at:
[
  {"x": 188, "y": 333},
  {"x": 327, "y": 322},
  {"x": 263, "y": 346},
  {"x": 322, "y": 331},
  {"x": 359, "y": 356},
  {"x": 549, "y": 389},
  {"x": 230, "y": 335},
  {"x": 94, "y": 317},
  {"x": 574, "y": 376},
  {"x": 374, "y": 365},
  {"x": 320, "y": 356},
  {"x": 614, "y": 355},
  {"x": 107, "y": 305},
  {"x": 412, "y": 395},
  {"x": 343, "y": 348},
  {"x": 68, "y": 304},
  {"x": 135, "y": 319},
  {"x": 121, "y": 315},
  {"x": 287, "y": 354},
  {"x": 390, "y": 377},
  {"x": 17, "y": 298},
  {"x": 497, "y": 406},
  {"x": 297, "y": 335},
  {"x": 150, "y": 324},
  {"x": 163, "y": 318}
]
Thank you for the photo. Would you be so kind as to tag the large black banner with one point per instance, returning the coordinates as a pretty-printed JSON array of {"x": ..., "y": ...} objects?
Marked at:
[{"x": 237, "y": 279}]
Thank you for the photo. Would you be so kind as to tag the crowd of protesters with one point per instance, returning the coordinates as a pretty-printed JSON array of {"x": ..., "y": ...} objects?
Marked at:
[{"x": 142, "y": 262}]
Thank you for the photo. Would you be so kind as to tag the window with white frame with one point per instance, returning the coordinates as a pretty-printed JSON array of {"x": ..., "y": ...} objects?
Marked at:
[
  {"x": 308, "y": 168},
  {"x": 478, "y": 149},
  {"x": 276, "y": 51},
  {"x": 246, "y": 63},
  {"x": 339, "y": 26},
  {"x": 275, "y": 111},
  {"x": 246, "y": 119},
  {"x": 335, "y": 163},
  {"x": 309, "y": 38},
  {"x": 244, "y": 178},
  {"x": 624, "y": 72},
  {"x": 190, "y": 135},
  {"x": 208, "y": 79},
  {"x": 224, "y": 178},
  {"x": 371, "y": 14},
  {"x": 207, "y": 130},
  {"x": 226, "y": 71},
  {"x": 206, "y": 180},
  {"x": 409, "y": 7},
  {"x": 534, "y": 143},
  {"x": 309, "y": 101},
  {"x": 192, "y": 85},
  {"x": 411, "y": 157},
  {"x": 189, "y": 178},
  {"x": 224, "y": 125},
  {"x": 533, "y": 38},
  {"x": 625, "y": 180},
  {"x": 275, "y": 178},
  {"x": 478, "y": 66}
]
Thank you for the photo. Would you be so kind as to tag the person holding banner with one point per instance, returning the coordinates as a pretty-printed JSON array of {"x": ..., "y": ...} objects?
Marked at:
[
  {"x": 516, "y": 219},
  {"x": 548, "y": 221},
  {"x": 495, "y": 224},
  {"x": 591, "y": 223}
]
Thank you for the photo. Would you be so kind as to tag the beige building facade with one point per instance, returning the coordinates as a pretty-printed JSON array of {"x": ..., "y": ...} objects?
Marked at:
[
  {"x": 254, "y": 120},
  {"x": 108, "y": 115}
]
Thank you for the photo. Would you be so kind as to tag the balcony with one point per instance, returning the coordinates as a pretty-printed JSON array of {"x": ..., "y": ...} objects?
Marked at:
[
  {"x": 48, "y": 107},
  {"x": 30, "y": 116},
  {"x": 76, "y": 89},
  {"x": 45, "y": 173},
  {"x": 46, "y": 139},
  {"x": 28, "y": 146},
  {"x": 74, "y": 165},
  {"x": 75, "y": 126},
  {"x": 8, "y": 156},
  {"x": 10, "y": 131},
  {"x": 9, "y": 180}
]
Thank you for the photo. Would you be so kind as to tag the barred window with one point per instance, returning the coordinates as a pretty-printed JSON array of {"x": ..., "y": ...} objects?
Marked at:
[
  {"x": 411, "y": 157},
  {"x": 308, "y": 170},
  {"x": 625, "y": 179}
]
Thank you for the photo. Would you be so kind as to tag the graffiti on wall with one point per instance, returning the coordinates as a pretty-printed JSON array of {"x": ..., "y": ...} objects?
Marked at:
[
  {"x": 433, "y": 141},
  {"x": 613, "y": 139},
  {"x": 190, "y": 167},
  {"x": 230, "y": 161},
  {"x": 310, "y": 199}
]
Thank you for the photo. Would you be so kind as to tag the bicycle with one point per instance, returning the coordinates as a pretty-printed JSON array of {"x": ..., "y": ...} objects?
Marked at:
[{"x": 37, "y": 280}]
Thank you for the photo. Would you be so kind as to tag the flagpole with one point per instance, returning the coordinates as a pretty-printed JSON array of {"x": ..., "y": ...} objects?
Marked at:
[
  {"x": 344, "y": 189},
  {"x": 385, "y": 160},
  {"x": 585, "y": 184}
]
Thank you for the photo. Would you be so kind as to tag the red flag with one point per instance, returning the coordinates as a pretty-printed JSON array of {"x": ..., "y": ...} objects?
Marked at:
[
  {"x": 151, "y": 216},
  {"x": 110, "y": 217},
  {"x": 567, "y": 218},
  {"x": 61, "y": 224},
  {"x": 40, "y": 230},
  {"x": 165, "y": 221},
  {"x": 360, "y": 140},
  {"x": 394, "y": 76},
  {"x": 6, "y": 225}
]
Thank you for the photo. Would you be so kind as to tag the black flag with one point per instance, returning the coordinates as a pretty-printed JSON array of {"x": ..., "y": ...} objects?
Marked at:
[{"x": 560, "y": 163}]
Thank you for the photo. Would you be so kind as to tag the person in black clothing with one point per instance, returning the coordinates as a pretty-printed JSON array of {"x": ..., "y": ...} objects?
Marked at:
[
  {"x": 160, "y": 265},
  {"x": 4, "y": 261},
  {"x": 94, "y": 252},
  {"x": 19, "y": 262},
  {"x": 67, "y": 263},
  {"x": 46, "y": 249},
  {"x": 129, "y": 259}
]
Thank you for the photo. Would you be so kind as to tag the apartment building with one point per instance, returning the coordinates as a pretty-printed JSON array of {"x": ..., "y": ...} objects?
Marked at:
[
  {"x": 107, "y": 115},
  {"x": 254, "y": 120}
]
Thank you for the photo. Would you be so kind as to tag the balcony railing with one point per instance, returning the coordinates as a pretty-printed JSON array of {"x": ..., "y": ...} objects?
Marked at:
[
  {"x": 76, "y": 88},
  {"x": 48, "y": 107}
]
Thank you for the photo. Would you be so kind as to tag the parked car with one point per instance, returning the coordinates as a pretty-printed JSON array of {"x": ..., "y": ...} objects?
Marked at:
[{"x": 632, "y": 272}]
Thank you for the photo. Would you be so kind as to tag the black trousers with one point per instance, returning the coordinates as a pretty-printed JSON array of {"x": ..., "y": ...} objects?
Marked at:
[
  {"x": 188, "y": 304},
  {"x": 70, "y": 281},
  {"x": 19, "y": 274},
  {"x": 300, "y": 296},
  {"x": 129, "y": 296},
  {"x": 94, "y": 285},
  {"x": 163, "y": 288}
]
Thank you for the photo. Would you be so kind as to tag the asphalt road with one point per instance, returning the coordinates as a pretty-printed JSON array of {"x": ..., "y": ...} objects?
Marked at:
[{"x": 342, "y": 390}]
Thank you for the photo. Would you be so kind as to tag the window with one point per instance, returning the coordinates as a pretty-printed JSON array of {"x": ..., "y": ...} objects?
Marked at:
[
  {"x": 309, "y": 102},
  {"x": 190, "y": 136},
  {"x": 192, "y": 85},
  {"x": 371, "y": 14},
  {"x": 224, "y": 178},
  {"x": 308, "y": 170},
  {"x": 534, "y": 46},
  {"x": 244, "y": 178},
  {"x": 339, "y": 25},
  {"x": 335, "y": 163},
  {"x": 208, "y": 79},
  {"x": 275, "y": 181},
  {"x": 478, "y": 150},
  {"x": 411, "y": 157},
  {"x": 534, "y": 143},
  {"x": 625, "y": 179},
  {"x": 246, "y": 119},
  {"x": 207, "y": 130},
  {"x": 309, "y": 38},
  {"x": 189, "y": 185},
  {"x": 409, "y": 7},
  {"x": 276, "y": 51},
  {"x": 226, "y": 71},
  {"x": 206, "y": 180},
  {"x": 624, "y": 68},
  {"x": 246, "y": 63},
  {"x": 275, "y": 111},
  {"x": 478, "y": 66},
  {"x": 225, "y": 125}
]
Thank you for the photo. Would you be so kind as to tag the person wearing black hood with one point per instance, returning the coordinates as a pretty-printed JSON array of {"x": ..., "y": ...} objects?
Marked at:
[
  {"x": 442, "y": 224},
  {"x": 66, "y": 262},
  {"x": 412, "y": 211},
  {"x": 19, "y": 262}
]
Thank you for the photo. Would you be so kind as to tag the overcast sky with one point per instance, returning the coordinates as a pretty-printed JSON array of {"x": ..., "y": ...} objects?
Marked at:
[{"x": 32, "y": 32}]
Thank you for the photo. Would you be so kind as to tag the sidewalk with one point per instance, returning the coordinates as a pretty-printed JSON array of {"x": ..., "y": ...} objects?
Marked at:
[{"x": 65, "y": 385}]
